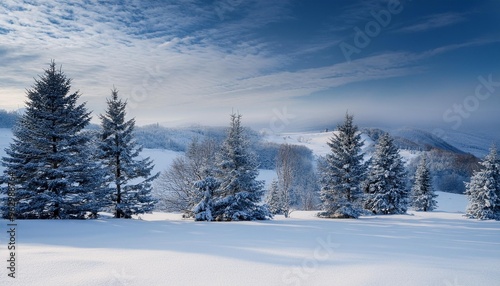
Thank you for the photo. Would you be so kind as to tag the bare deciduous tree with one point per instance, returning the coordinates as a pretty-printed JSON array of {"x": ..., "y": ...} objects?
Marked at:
[{"x": 174, "y": 188}]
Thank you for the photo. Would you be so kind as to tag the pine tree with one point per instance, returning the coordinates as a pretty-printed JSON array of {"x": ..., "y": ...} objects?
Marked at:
[
  {"x": 483, "y": 191},
  {"x": 343, "y": 174},
  {"x": 239, "y": 194},
  {"x": 275, "y": 199},
  {"x": 128, "y": 175},
  {"x": 204, "y": 209},
  {"x": 48, "y": 167},
  {"x": 422, "y": 195},
  {"x": 385, "y": 186}
]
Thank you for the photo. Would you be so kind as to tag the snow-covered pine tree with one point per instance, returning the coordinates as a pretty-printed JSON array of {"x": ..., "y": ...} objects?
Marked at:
[
  {"x": 204, "y": 209},
  {"x": 343, "y": 173},
  {"x": 129, "y": 176},
  {"x": 49, "y": 167},
  {"x": 274, "y": 199},
  {"x": 422, "y": 194},
  {"x": 240, "y": 193},
  {"x": 483, "y": 190},
  {"x": 385, "y": 186}
]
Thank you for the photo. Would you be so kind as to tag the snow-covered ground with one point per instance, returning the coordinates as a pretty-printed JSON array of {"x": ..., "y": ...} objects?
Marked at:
[
  {"x": 436, "y": 248},
  {"x": 162, "y": 158},
  {"x": 314, "y": 141}
]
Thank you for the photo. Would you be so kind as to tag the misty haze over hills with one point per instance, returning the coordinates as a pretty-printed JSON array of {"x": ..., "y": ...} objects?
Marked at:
[{"x": 456, "y": 141}]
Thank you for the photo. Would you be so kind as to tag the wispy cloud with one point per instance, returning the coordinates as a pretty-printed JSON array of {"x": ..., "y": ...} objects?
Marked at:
[
  {"x": 451, "y": 47},
  {"x": 355, "y": 13},
  {"x": 433, "y": 22}
]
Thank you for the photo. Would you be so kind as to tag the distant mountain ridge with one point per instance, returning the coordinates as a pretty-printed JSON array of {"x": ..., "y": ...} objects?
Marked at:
[
  {"x": 409, "y": 138},
  {"x": 422, "y": 140}
]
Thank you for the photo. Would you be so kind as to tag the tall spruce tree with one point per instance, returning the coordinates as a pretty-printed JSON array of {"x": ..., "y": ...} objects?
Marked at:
[
  {"x": 343, "y": 173},
  {"x": 483, "y": 190},
  {"x": 129, "y": 176},
  {"x": 240, "y": 193},
  {"x": 48, "y": 167},
  {"x": 422, "y": 194},
  {"x": 385, "y": 185}
]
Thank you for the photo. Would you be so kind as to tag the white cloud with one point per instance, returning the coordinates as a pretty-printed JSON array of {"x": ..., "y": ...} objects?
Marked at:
[{"x": 174, "y": 62}]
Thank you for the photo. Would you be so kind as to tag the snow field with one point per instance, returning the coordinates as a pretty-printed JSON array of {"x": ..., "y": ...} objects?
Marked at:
[{"x": 436, "y": 248}]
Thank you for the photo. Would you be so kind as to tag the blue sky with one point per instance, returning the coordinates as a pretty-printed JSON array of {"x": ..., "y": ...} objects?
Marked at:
[{"x": 284, "y": 65}]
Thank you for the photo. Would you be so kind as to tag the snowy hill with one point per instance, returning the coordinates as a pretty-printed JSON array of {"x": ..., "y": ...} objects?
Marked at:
[
  {"x": 316, "y": 141},
  {"x": 5, "y": 137},
  {"x": 175, "y": 139},
  {"x": 407, "y": 139},
  {"x": 5, "y": 140},
  {"x": 477, "y": 144}
]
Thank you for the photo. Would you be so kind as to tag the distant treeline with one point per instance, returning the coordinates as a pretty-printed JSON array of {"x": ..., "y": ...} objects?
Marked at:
[
  {"x": 8, "y": 118},
  {"x": 178, "y": 139}
]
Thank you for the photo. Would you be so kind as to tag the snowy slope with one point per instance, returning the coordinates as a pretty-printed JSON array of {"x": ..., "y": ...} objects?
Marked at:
[
  {"x": 422, "y": 139},
  {"x": 5, "y": 138},
  {"x": 476, "y": 144},
  {"x": 316, "y": 141},
  {"x": 162, "y": 158}
]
